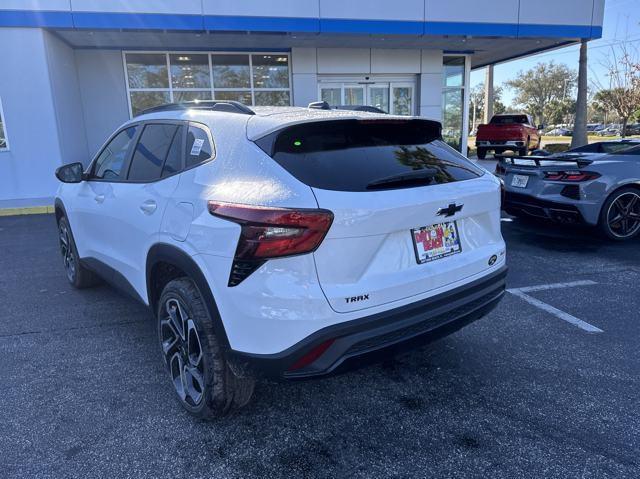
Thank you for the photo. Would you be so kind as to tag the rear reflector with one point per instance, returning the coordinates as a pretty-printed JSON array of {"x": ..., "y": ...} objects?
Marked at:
[
  {"x": 271, "y": 233},
  {"x": 312, "y": 355}
]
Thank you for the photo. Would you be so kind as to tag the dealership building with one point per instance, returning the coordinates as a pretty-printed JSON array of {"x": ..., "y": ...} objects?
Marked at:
[{"x": 74, "y": 70}]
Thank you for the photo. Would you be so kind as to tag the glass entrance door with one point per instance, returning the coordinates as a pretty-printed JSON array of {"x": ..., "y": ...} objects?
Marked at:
[{"x": 396, "y": 98}]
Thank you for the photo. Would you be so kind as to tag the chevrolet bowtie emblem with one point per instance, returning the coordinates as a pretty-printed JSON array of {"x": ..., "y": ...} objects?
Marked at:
[{"x": 450, "y": 210}]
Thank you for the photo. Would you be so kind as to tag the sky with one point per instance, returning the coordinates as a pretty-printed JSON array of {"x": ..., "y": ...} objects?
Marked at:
[{"x": 621, "y": 26}]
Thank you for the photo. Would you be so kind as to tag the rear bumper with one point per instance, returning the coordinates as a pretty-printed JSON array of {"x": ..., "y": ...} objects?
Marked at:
[
  {"x": 384, "y": 333},
  {"x": 500, "y": 144},
  {"x": 533, "y": 206}
]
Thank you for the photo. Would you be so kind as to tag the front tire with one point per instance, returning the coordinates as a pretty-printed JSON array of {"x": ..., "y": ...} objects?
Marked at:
[
  {"x": 202, "y": 379},
  {"x": 482, "y": 153},
  {"x": 79, "y": 276},
  {"x": 620, "y": 215}
]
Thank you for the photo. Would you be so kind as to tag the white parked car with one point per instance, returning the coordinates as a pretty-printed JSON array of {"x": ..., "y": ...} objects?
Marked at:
[{"x": 283, "y": 241}]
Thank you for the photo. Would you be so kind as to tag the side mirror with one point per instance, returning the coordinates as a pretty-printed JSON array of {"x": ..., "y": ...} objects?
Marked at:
[
  {"x": 540, "y": 127},
  {"x": 71, "y": 173}
]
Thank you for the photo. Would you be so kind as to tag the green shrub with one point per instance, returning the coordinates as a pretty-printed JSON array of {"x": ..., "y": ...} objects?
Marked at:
[{"x": 556, "y": 147}]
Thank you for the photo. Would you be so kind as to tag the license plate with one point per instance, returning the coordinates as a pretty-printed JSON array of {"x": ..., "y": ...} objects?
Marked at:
[
  {"x": 520, "y": 181},
  {"x": 436, "y": 241}
]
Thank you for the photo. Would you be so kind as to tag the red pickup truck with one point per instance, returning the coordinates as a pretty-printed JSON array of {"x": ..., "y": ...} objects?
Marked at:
[{"x": 512, "y": 132}]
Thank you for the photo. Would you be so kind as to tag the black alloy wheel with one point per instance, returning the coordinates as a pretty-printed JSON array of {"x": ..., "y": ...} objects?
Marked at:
[
  {"x": 623, "y": 215},
  {"x": 67, "y": 251},
  {"x": 182, "y": 351}
]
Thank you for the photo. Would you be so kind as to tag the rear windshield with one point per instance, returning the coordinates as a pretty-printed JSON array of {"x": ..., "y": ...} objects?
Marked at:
[
  {"x": 509, "y": 119},
  {"x": 365, "y": 155},
  {"x": 609, "y": 147}
]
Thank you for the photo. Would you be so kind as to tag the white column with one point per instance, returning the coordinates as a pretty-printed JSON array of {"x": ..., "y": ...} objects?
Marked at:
[
  {"x": 304, "y": 67},
  {"x": 488, "y": 94},
  {"x": 431, "y": 84}
]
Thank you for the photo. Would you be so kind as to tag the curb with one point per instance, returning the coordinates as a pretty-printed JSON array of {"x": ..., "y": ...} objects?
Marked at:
[{"x": 32, "y": 210}]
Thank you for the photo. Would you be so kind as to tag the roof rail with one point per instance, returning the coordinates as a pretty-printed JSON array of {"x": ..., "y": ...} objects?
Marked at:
[
  {"x": 211, "y": 105},
  {"x": 319, "y": 105}
]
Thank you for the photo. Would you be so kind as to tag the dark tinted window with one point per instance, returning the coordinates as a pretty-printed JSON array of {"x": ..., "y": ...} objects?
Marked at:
[
  {"x": 151, "y": 152},
  {"x": 607, "y": 147},
  {"x": 632, "y": 151},
  {"x": 108, "y": 165},
  {"x": 198, "y": 146},
  {"x": 173, "y": 163},
  {"x": 354, "y": 155},
  {"x": 509, "y": 119}
]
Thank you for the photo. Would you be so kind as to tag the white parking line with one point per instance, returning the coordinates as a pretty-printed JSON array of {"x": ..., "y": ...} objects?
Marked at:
[
  {"x": 522, "y": 294},
  {"x": 542, "y": 287}
]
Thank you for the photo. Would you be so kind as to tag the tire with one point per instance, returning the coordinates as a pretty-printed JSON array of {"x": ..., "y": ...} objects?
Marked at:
[
  {"x": 194, "y": 357},
  {"x": 525, "y": 150},
  {"x": 78, "y": 275},
  {"x": 620, "y": 215},
  {"x": 482, "y": 153}
]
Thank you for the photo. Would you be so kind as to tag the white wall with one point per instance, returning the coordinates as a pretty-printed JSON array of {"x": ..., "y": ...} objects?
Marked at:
[
  {"x": 27, "y": 169},
  {"x": 308, "y": 63},
  {"x": 103, "y": 94},
  {"x": 66, "y": 100}
]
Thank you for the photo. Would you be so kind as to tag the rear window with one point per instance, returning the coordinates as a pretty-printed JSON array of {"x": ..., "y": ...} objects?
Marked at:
[
  {"x": 365, "y": 155},
  {"x": 509, "y": 120},
  {"x": 609, "y": 147}
]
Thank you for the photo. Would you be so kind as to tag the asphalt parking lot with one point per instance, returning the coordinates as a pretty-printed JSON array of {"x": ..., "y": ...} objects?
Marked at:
[{"x": 521, "y": 393}]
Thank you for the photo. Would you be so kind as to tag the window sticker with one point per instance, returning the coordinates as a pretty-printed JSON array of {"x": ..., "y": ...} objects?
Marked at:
[{"x": 197, "y": 146}]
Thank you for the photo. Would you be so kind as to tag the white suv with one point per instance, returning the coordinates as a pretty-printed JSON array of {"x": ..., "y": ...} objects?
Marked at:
[{"x": 283, "y": 241}]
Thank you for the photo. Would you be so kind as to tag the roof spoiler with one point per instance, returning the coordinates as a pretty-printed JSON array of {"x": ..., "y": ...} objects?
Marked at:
[{"x": 538, "y": 160}]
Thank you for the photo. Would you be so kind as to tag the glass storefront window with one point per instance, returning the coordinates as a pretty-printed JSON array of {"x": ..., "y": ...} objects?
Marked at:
[
  {"x": 190, "y": 71},
  {"x": 243, "y": 97},
  {"x": 333, "y": 96},
  {"x": 453, "y": 110},
  {"x": 270, "y": 71},
  {"x": 272, "y": 98},
  {"x": 146, "y": 70},
  {"x": 453, "y": 71},
  {"x": 354, "y": 95},
  {"x": 157, "y": 78},
  {"x": 231, "y": 71},
  {"x": 402, "y": 101},
  {"x": 142, "y": 100},
  {"x": 191, "y": 95}
]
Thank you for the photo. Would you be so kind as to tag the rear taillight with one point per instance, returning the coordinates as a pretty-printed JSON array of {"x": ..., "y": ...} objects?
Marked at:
[
  {"x": 271, "y": 233},
  {"x": 570, "y": 176}
]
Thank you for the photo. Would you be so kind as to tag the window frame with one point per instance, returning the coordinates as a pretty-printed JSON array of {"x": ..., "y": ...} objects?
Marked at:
[
  {"x": 252, "y": 90},
  {"x": 3, "y": 120},
  {"x": 126, "y": 166}
]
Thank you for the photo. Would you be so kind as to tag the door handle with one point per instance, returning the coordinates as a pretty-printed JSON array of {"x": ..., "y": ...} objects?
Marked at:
[
  {"x": 148, "y": 207},
  {"x": 99, "y": 198}
]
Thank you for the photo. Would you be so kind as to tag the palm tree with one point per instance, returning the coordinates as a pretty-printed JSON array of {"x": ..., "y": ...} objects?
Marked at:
[{"x": 580, "y": 126}]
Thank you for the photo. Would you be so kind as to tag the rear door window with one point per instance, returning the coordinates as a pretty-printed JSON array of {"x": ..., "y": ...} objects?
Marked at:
[
  {"x": 365, "y": 155},
  {"x": 199, "y": 148},
  {"x": 151, "y": 152}
]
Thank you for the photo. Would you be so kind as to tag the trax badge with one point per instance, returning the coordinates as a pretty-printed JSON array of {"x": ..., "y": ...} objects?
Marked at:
[
  {"x": 355, "y": 299},
  {"x": 493, "y": 260},
  {"x": 450, "y": 210}
]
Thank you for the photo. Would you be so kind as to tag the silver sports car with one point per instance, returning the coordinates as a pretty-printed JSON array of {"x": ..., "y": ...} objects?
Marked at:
[{"x": 598, "y": 185}]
